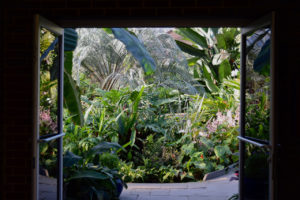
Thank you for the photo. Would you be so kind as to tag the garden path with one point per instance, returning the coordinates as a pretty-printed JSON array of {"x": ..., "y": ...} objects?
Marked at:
[{"x": 220, "y": 188}]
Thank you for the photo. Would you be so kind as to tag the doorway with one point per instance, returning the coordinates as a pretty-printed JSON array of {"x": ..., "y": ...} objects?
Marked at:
[{"x": 243, "y": 140}]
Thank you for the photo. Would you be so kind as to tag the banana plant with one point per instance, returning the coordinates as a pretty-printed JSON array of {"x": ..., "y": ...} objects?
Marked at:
[{"x": 214, "y": 53}]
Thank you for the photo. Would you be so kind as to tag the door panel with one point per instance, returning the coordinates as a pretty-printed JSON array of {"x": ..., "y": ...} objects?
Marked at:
[
  {"x": 256, "y": 138},
  {"x": 49, "y": 131}
]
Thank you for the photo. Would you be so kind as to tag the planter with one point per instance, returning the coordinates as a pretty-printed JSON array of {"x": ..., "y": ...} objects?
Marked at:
[{"x": 119, "y": 184}]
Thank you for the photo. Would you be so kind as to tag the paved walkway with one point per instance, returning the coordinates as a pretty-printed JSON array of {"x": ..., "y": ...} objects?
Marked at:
[{"x": 216, "y": 189}]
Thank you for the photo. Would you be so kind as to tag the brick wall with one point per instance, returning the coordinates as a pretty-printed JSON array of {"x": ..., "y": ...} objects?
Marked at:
[{"x": 17, "y": 64}]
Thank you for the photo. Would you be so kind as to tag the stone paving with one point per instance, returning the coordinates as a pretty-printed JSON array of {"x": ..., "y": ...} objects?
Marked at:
[{"x": 216, "y": 189}]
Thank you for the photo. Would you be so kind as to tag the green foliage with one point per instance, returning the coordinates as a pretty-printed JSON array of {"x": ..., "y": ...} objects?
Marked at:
[
  {"x": 216, "y": 53},
  {"x": 91, "y": 176},
  {"x": 160, "y": 134},
  {"x": 71, "y": 91}
]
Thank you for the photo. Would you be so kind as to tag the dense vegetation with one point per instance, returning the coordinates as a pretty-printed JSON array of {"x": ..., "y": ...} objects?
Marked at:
[{"x": 152, "y": 106}]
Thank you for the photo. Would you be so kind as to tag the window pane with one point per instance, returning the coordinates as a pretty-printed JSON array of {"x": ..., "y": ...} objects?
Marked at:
[
  {"x": 48, "y": 172},
  {"x": 256, "y": 177},
  {"x": 257, "y": 109},
  {"x": 49, "y": 70}
]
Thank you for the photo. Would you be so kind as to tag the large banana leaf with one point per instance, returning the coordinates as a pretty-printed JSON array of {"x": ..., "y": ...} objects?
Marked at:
[
  {"x": 194, "y": 36},
  {"x": 190, "y": 49},
  {"x": 136, "y": 48},
  {"x": 71, "y": 92}
]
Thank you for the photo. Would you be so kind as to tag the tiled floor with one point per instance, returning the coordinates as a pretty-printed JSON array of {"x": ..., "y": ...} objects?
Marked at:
[{"x": 217, "y": 189}]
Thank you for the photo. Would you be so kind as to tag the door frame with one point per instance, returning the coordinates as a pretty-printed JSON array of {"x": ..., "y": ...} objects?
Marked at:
[
  {"x": 273, "y": 145},
  {"x": 38, "y": 23}
]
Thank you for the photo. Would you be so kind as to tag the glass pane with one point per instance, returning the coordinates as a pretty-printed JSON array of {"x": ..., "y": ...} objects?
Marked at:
[
  {"x": 256, "y": 178},
  {"x": 258, "y": 85},
  {"x": 48, "y": 171},
  {"x": 49, "y": 70}
]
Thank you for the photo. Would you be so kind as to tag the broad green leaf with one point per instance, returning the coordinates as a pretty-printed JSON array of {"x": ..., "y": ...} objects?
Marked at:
[
  {"x": 90, "y": 174},
  {"x": 221, "y": 43},
  {"x": 208, "y": 79},
  {"x": 136, "y": 48},
  {"x": 105, "y": 147},
  {"x": 165, "y": 101},
  {"x": 70, "y": 159},
  {"x": 222, "y": 151},
  {"x": 190, "y": 49},
  {"x": 224, "y": 70},
  {"x": 71, "y": 92},
  {"x": 207, "y": 142},
  {"x": 194, "y": 36}
]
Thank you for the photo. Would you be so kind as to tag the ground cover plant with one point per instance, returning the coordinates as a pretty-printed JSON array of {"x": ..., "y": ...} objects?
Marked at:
[{"x": 169, "y": 99}]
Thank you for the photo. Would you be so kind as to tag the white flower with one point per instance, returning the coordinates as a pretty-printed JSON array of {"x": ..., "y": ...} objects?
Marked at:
[{"x": 234, "y": 73}]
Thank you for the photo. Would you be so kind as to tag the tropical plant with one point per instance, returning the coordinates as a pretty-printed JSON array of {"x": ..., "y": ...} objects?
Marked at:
[
  {"x": 215, "y": 53},
  {"x": 87, "y": 178},
  {"x": 105, "y": 60}
]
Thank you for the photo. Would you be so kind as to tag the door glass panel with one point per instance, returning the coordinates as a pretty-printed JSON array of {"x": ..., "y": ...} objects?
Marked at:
[
  {"x": 257, "y": 113},
  {"x": 257, "y": 109},
  {"x": 48, "y": 116},
  {"x": 48, "y": 171},
  {"x": 49, "y": 70},
  {"x": 256, "y": 168}
]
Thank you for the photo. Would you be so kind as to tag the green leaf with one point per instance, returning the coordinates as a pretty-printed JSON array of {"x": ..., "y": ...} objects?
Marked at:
[
  {"x": 136, "y": 48},
  {"x": 164, "y": 101},
  {"x": 71, "y": 92},
  {"x": 132, "y": 138},
  {"x": 208, "y": 79},
  {"x": 192, "y": 61},
  {"x": 108, "y": 30},
  {"x": 105, "y": 147},
  {"x": 224, "y": 70},
  {"x": 221, "y": 43},
  {"x": 90, "y": 174},
  {"x": 207, "y": 142},
  {"x": 70, "y": 159},
  {"x": 194, "y": 36},
  {"x": 190, "y": 49},
  {"x": 196, "y": 74},
  {"x": 222, "y": 151}
]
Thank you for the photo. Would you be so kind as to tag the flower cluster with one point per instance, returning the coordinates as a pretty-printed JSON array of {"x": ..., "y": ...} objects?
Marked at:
[
  {"x": 47, "y": 124},
  {"x": 226, "y": 120}
]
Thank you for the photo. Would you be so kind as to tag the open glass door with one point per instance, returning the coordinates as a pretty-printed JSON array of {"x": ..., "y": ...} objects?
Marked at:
[
  {"x": 256, "y": 138},
  {"x": 49, "y": 112}
]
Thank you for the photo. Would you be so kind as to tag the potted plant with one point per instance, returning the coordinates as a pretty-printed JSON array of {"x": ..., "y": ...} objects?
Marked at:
[{"x": 89, "y": 178}]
